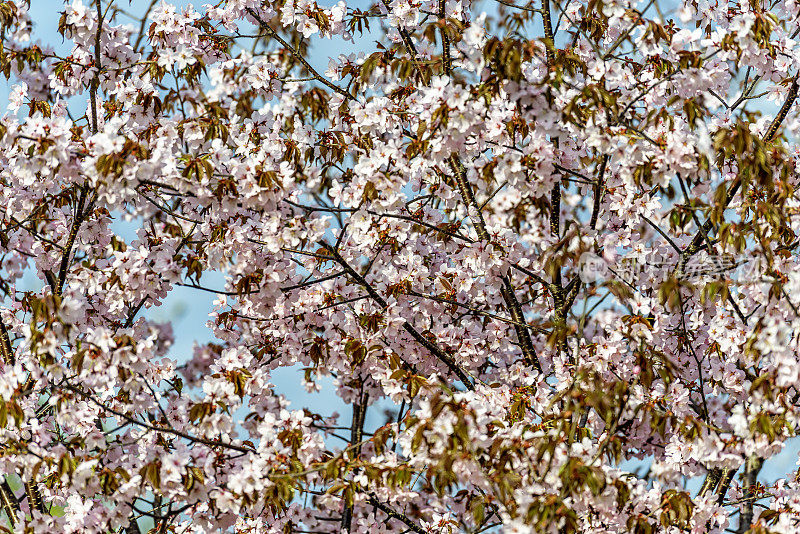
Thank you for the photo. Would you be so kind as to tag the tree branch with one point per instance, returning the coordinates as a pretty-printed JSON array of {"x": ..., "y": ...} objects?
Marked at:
[
  {"x": 396, "y": 515},
  {"x": 446, "y": 60},
  {"x": 154, "y": 428},
  {"x": 512, "y": 305},
  {"x": 599, "y": 188},
  {"x": 356, "y": 433},
  {"x": 6, "y": 350},
  {"x": 299, "y": 57},
  {"x": 697, "y": 240},
  {"x": 752, "y": 467},
  {"x": 422, "y": 340},
  {"x": 9, "y": 502}
]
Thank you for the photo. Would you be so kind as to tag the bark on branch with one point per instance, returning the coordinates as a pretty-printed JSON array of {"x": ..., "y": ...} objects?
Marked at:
[{"x": 418, "y": 337}]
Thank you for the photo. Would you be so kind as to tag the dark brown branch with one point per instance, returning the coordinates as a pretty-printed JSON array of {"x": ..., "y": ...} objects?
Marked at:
[
  {"x": 562, "y": 299},
  {"x": 524, "y": 8},
  {"x": 555, "y": 208},
  {"x": 154, "y": 428},
  {"x": 621, "y": 39},
  {"x": 73, "y": 234},
  {"x": 133, "y": 526},
  {"x": 356, "y": 435},
  {"x": 708, "y": 245},
  {"x": 408, "y": 43},
  {"x": 784, "y": 111},
  {"x": 171, "y": 514},
  {"x": 475, "y": 310},
  {"x": 663, "y": 234},
  {"x": 396, "y": 515},
  {"x": 698, "y": 238},
  {"x": 35, "y": 501},
  {"x": 550, "y": 41},
  {"x": 599, "y": 190},
  {"x": 8, "y": 502},
  {"x": 752, "y": 467},
  {"x": 141, "y": 33},
  {"x": 408, "y": 218},
  {"x": 724, "y": 484},
  {"x": 710, "y": 482},
  {"x": 446, "y": 60},
  {"x": 299, "y": 57},
  {"x": 6, "y": 349},
  {"x": 422, "y": 340},
  {"x": 513, "y": 306},
  {"x": 95, "y": 83},
  {"x": 312, "y": 282}
]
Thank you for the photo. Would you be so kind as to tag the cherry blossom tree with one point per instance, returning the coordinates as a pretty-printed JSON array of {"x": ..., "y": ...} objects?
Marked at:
[{"x": 558, "y": 239}]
